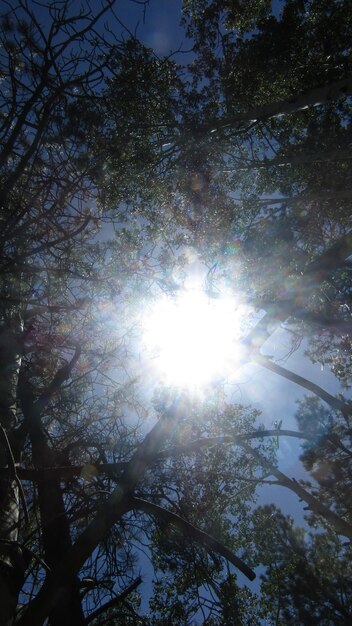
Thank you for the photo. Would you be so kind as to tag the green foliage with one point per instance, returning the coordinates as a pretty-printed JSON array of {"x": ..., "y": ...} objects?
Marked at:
[
  {"x": 328, "y": 458},
  {"x": 335, "y": 352},
  {"x": 307, "y": 576},
  {"x": 114, "y": 165},
  {"x": 207, "y": 18},
  {"x": 214, "y": 489}
]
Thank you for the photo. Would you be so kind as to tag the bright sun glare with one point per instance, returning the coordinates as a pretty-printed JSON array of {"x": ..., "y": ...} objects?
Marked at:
[{"x": 192, "y": 337}]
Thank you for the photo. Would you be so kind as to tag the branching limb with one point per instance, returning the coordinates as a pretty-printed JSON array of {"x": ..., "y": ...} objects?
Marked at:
[
  {"x": 115, "y": 601},
  {"x": 61, "y": 375},
  {"x": 340, "y": 525},
  {"x": 335, "y": 403},
  {"x": 208, "y": 542},
  {"x": 115, "y": 470}
]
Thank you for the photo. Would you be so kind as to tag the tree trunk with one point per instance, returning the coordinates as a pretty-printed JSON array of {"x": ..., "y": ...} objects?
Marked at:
[
  {"x": 312, "y": 98},
  {"x": 110, "y": 513},
  {"x": 55, "y": 527},
  {"x": 11, "y": 560},
  {"x": 335, "y": 403}
]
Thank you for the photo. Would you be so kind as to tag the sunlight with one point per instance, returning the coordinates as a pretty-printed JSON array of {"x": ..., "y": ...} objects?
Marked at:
[{"x": 192, "y": 337}]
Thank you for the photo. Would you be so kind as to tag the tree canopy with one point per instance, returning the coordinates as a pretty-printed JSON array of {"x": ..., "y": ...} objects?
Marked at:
[{"x": 124, "y": 176}]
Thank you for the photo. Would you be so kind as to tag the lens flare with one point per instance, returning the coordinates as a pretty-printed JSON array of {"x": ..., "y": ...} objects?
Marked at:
[{"x": 192, "y": 338}]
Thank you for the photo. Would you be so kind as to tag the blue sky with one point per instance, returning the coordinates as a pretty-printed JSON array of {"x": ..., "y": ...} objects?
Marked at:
[{"x": 157, "y": 25}]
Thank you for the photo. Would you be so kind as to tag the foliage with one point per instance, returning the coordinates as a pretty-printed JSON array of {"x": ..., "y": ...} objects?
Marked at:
[
  {"x": 115, "y": 165},
  {"x": 329, "y": 459},
  {"x": 307, "y": 576}
]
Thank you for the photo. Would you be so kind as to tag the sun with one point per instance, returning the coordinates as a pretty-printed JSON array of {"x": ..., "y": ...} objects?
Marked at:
[{"x": 192, "y": 338}]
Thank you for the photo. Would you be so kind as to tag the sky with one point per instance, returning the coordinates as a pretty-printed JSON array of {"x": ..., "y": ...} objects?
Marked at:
[{"x": 157, "y": 25}]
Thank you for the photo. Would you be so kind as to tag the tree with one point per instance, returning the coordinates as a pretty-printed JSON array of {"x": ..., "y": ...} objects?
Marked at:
[
  {"x": 267, "y": 140},
  {"x": 97, "y": 134},
  {"x": 263, "y": 128},
  {"x": 306, "y": 579},
  {"x": 328, "y": 461},
  {"x": 53, "y": 269},
  {"x": 278, "y": 143}
]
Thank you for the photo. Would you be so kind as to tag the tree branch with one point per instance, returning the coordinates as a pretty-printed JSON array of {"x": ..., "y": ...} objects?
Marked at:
[
  {"x": 115, "y": 601},
  {"x": 61, "y": 375},
  {"x": 317, "y": 270},
  {"x": 312, "y": 98},
  {"x": 339, "y": 524},
  {"x": 208, "y": 542},
  {"x": 115, "y": 470},
  {"x": 335, "y": 403},
  {"x": 108, "y": 515}
]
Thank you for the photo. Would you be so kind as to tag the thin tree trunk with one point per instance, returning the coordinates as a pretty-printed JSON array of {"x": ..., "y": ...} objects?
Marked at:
[
  {"x": 312, "y": 98},
  {"x": 338, "y": 523},
  {"x": 115, "y": 601},
  {"x": 335, "y": 403},
  {"x": 292, "y": 161},
  {"x": 11, "y": 560}
]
